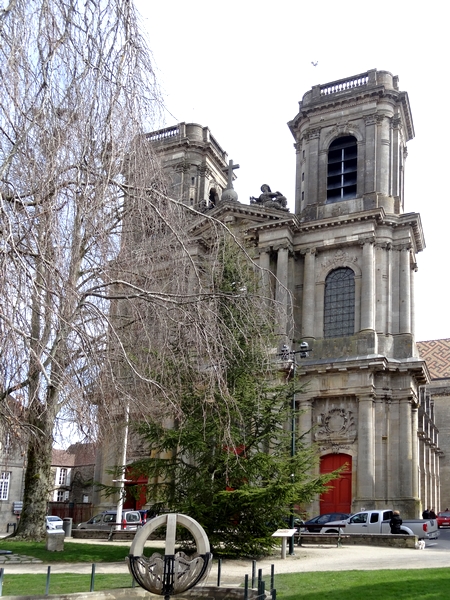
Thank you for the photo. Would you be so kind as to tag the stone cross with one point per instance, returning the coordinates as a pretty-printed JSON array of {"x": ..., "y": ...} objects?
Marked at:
[{"x": 229, "y": 171}]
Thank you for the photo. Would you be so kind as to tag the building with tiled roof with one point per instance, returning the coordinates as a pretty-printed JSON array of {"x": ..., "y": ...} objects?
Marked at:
[
  {"x": 73, "y": 472},
  {"x": 437, "y": 355},
  {"x": 436, "y": 398}
]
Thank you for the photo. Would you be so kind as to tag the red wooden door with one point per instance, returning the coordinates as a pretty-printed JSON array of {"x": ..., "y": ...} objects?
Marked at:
[{"x": 339, "y": 496}]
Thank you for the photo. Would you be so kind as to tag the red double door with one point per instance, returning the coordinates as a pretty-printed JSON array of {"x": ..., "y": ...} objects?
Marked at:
[{"x": 339, "y": 496}]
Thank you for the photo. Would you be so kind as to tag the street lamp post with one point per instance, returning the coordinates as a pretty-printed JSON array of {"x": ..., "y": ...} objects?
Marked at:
[
  {"x": 286, "y": 353},
  {"x": 122, "y": 481}
]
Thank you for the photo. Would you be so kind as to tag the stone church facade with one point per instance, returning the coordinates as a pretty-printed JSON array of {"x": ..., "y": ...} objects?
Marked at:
[{"x": 342, "y": 267}]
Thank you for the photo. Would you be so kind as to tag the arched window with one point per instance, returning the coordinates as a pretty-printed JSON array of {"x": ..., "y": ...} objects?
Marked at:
[
  {"x": 342, "y": 159},
  {"x": 339, "y": 306}
]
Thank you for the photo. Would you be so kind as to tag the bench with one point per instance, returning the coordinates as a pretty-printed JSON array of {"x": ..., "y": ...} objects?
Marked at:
[{"x": 322, "y": 538}]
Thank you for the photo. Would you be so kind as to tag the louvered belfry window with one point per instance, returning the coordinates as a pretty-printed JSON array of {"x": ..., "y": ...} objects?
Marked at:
[
  {"x": 339, "y": 306},
  {"x": 342, "y": 169}
]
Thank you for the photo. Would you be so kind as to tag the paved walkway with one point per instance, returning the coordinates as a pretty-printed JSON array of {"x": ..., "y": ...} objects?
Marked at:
[{"x": 308, "y": 558}]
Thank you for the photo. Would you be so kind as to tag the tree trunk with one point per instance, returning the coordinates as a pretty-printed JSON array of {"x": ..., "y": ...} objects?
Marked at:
[{"x": 37, "y": 473}]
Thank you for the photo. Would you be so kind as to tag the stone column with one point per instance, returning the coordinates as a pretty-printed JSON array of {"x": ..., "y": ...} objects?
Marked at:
[
  {"x": 309, "y": 286},
  {"x": 366, "y": 454},
  {"x": 367, "y": 287},
  {"x": 264, "y": 263},
  {"x": 282, "y": 294},
  {"x": 405, "y": 448},
  {"x": 305, "y": 418},
  {"x": 405, "y": 291}
]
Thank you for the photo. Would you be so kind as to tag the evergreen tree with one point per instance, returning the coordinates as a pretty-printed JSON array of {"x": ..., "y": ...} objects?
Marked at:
[{"x": 226, "y": 460}]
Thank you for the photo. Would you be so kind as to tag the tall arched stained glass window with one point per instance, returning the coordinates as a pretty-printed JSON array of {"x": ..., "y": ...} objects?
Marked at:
[{"x": 339, "y": 306}]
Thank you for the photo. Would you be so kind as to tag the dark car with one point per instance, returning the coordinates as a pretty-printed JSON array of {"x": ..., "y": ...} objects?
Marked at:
[
  {"x": 443, "y": 519},
  {"x": 315, "y": 525}
]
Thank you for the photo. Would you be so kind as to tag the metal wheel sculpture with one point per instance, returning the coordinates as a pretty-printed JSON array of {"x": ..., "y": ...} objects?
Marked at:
[{"x": 172, "y": 573}]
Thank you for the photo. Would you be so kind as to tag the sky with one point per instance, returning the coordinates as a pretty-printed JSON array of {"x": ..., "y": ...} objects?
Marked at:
[{"x": 241, "y": 68}]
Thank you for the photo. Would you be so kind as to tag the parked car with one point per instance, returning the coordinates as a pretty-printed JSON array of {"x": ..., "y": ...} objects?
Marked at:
[
  {"x": 315, "y": 524},
  {"x": 131, "y": 520},
  {"x": 378, "y": 521},
  {"x": 53, "y": 522},
  {"x": 443, "y": 519}
]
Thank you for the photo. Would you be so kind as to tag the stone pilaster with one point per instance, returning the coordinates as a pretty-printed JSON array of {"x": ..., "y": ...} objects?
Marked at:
[
  {"x": 366, "y": 454},
  {"x": 264, "y": 263},
  {"x": 281, "y": 293},
  {"x": 405, "y": 449},
  {"x": 305, "y": 419},
  {"x": 415, "y": 451},
  {"x": 405, "y": 292},
  {"x": 367, "y": 287},
  {"x": 383, "y": 150},
  {"x": 370, "y": 166},
  {"x": 309, "y": 285}
]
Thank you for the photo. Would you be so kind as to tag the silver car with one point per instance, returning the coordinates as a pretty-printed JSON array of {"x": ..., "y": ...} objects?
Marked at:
[
  {"x": 53, "y": 522},
  {"x": 131, "y": 520}
]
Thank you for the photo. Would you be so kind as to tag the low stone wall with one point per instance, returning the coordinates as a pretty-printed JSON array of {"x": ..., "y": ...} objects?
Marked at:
[
  {"x": 363, "y": 539},
  {"x": 99, "y": 534}
]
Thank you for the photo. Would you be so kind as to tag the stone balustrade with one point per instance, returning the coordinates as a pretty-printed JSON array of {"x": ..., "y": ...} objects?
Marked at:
[{"x": 342, "y": 85}]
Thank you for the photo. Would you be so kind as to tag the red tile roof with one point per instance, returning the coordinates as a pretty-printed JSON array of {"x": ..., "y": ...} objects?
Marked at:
[
  {"x": 77, "y": 455},
  {"x": 437, "y": 355}
]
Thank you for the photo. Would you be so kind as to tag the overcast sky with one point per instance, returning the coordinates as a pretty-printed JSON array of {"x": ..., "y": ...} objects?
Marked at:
[{"x": 241, "y": 67}]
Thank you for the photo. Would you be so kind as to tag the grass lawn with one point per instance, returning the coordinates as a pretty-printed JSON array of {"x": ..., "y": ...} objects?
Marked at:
[
  {"x": 73, "y": 552},
  {"x": 428, "y": 584},
  {"x": 61, "y": 583}
]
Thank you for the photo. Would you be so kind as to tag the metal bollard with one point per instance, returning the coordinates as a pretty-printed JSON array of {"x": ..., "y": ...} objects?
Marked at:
[
  {"x": 253, "y": 573},
  {"x": 1, "y": 580},
  {"x": 47, "y": 583},
  {"x": 219, "y": 572},
  {"x": 92, "y": 578},
  {"x": 274, "y": 594},
  {"x": 272, "y": 576},
  {"x": 246, "y": 587}
]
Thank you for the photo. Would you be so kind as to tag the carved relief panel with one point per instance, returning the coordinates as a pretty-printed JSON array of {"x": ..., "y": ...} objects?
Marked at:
[{"x": 335, "y": 423}]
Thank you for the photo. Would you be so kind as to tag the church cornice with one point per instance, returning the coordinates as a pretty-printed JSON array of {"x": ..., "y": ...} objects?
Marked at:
[
  {"x": 377, "y": 215},
  {"x": 414, "y": 367}
]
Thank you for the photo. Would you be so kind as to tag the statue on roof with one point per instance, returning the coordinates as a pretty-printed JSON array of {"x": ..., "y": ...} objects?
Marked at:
[{"x": 270, "y": 199}]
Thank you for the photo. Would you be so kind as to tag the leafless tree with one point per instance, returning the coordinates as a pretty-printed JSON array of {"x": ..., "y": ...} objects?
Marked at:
[
  {"x": 76, "y": 88},
  {"x": 88, "y": 315}
]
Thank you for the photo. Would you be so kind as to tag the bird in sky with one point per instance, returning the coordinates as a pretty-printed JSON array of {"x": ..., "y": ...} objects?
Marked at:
[{"x": 314, "y": 64}]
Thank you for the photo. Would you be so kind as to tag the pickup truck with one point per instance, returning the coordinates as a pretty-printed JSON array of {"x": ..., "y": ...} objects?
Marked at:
[{"x": 377, "y": 521}]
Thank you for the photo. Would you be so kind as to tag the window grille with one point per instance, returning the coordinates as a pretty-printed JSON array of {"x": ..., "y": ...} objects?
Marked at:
[
  {"x": 339, "y": 306},
  {"x": 4, "y": 485}
]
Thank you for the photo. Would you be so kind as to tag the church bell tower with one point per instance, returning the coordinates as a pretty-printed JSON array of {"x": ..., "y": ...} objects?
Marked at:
[{"x": 353, "y": 287}]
